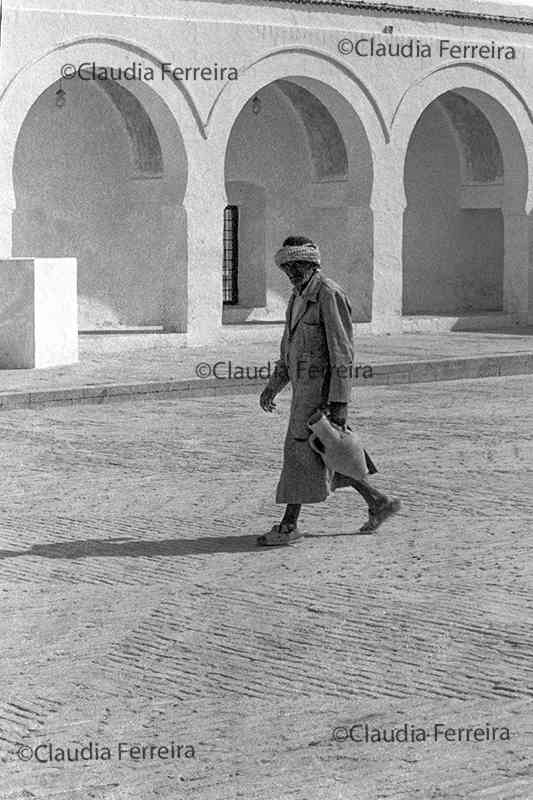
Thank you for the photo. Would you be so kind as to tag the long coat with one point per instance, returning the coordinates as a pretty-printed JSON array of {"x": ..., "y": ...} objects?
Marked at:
[{"x": 316, "y": 357}]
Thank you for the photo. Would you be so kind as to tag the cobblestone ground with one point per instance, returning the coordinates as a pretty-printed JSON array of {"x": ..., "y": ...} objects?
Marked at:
[{"x": 137, "y": 609}]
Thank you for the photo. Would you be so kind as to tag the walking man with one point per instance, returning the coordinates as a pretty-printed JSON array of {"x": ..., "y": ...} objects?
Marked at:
[{"x": 316, "y": 357}]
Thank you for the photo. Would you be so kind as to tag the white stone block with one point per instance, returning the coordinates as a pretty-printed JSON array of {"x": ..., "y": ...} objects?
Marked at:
[{"x": 38, "y": 312}]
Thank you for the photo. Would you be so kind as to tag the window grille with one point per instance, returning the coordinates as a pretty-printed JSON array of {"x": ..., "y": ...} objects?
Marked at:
[{"x": 230, "y": 265}]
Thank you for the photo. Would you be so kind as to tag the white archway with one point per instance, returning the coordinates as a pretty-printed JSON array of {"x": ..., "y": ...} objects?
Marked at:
[
  {"x": 307, "y": 155},
  {"x": 286, "y": 62},
  {"x": 316, "y": 79},
  {"x": 511, "y": 121},
  {"x": 162, "y": 104},
  {"x": 34, "y": 78},
  {"x": 497, "y": 99}
]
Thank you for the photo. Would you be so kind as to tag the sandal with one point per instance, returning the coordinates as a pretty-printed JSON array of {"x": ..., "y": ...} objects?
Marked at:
[
  {"x": 377, "y": 518},
  {"x": 280, "y": 535}
]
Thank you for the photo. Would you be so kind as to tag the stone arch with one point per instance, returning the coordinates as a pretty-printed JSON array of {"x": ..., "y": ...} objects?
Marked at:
[
  {"x": 502, "y": 105},
  {"x": 135, "y": 273},
  {"x": 324, "y": 139},
  {"x": 34, "y": 78},
  {"x": 311, "y": 64},
  {"x": 465, "y": 194},
  {"x": 309, "y": 156}
]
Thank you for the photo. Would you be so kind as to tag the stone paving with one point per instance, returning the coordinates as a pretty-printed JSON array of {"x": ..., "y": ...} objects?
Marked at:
[{"x": 137, "y": 608}]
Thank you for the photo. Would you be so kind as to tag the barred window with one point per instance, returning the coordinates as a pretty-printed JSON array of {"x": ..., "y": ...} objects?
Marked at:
[{"x": 230, "y": 265}]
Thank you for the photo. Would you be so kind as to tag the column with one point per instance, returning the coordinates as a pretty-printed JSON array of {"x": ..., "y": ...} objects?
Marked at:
[
  {"x": 516, "y": 283},
  {"x": 6, "y": 230},
  {"x": 388, "y": 206},
  {"x": 174, "y": 228},
  {"x": 204, "y": 205},
  {"x": 7, "y": 189}
]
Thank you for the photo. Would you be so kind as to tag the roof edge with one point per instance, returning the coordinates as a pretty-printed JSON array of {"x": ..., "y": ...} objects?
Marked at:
[{"x": 394, "y": 8}]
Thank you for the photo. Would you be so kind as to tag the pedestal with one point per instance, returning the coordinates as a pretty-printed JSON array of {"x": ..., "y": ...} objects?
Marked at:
[{"x": 38, "y": 312}]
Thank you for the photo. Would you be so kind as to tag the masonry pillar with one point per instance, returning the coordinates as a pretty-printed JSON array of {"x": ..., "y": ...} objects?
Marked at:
[
  {"x": 7, "y": 190},
  {"x": 174, "y": 309},
  {"x": 388, "y": 206},
  {"x": 204, "y": 205},
  {"x": 6, "y": 230},
  {"x": 516, "y": 263}
]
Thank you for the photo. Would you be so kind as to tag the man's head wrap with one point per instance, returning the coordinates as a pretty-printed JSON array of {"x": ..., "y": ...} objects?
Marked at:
[{"x": 302, "y": 252}]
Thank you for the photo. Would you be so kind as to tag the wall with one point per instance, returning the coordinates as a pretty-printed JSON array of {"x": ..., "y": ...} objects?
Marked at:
[{"x": 271, "y": 42}]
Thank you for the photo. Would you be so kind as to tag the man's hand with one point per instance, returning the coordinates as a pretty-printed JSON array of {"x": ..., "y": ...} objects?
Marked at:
[
  {"x": 266, "y": 399},
  {"x": 338, "y": 414}
]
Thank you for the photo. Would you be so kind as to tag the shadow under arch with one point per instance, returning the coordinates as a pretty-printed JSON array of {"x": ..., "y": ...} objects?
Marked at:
[
  {"x": 145, "y": 144},
  {"x": 325, "y": 141}
]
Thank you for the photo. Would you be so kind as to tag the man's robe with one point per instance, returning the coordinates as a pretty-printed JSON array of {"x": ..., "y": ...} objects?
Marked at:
[{"x": 316, "y": 357}]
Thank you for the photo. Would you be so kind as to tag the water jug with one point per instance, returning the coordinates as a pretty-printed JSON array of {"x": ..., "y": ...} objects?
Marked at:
[{"x": 340, "y": 449}]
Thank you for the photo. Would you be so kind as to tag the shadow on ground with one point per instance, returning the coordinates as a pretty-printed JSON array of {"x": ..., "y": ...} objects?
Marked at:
[{"x": 131, "y": 548}]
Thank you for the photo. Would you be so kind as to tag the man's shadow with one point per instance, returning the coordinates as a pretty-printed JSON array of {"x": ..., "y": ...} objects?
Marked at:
[
  {"x": 135, "y": 548},
  {"x": 132, "y": 548}
]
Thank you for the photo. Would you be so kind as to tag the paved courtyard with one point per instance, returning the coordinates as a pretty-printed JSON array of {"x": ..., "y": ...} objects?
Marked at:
[{"x": 138, "y": 610}]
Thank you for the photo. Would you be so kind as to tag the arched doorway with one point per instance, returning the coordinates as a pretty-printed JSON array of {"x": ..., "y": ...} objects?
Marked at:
[
  {"x": 95, "y": 178},
  {"x": 460, "y": 180},
  {"x": 298, "y": 161}
]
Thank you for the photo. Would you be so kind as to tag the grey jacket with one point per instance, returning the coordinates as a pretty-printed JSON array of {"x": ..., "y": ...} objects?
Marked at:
[{"x": 316, "y": 353}]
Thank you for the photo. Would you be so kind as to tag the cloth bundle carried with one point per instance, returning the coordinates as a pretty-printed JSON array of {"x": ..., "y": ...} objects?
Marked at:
[{"x": 340, "y": 450}]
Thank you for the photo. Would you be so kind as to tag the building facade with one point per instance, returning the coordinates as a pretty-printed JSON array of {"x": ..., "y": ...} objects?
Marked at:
[{"x": 171, "y": 146}]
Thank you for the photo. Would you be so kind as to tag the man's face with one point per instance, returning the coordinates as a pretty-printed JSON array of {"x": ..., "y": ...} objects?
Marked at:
[{"x": 298, "y": 272}]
